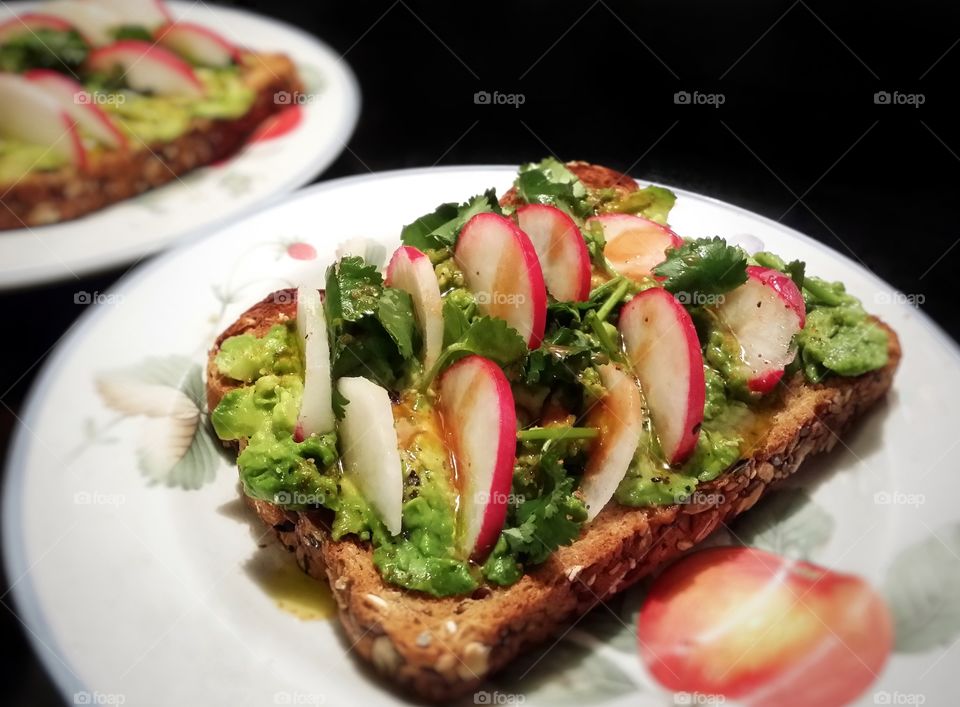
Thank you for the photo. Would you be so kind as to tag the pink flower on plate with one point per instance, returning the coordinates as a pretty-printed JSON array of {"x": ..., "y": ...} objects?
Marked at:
[{"x": 302, "y": 251}]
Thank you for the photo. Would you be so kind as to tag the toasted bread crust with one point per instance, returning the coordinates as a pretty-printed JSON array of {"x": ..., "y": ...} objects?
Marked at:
[
  {"x": 593, "y": 175},
  {"x": 43, "y": 198},
  {"x": 442, "y": 648}
]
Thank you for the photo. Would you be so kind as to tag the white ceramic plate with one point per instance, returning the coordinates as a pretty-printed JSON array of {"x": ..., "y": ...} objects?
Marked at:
[
  {"x": 138, "y": 575},
  {"x": 133, "y": 229}
]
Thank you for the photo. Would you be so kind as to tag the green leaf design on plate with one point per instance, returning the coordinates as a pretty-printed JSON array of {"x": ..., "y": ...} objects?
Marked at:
[
  {"x": 594, "y": 662},
  {"x": 576, "y": 670},
  {"x": 786, "y": 523},
  {"x": 177, "y": 446},
  {"x": 922, "y": 589}
]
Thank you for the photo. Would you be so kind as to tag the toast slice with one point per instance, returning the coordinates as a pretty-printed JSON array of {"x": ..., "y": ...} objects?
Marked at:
[
  {"x": 43, "y": 198},
  {"x": 442, "y": 648}
]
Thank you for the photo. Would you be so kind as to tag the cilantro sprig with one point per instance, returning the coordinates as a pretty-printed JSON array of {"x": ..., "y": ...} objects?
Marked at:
[
  {"x": 705, "y": 266},
  {"x": 439, "y": 229}
]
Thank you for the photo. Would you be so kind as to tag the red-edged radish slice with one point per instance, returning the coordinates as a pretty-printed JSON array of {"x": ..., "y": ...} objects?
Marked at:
[
  {"x": 562, "y": 251},
  {"x": 763, "y": 315},
  {"x": 316, "y": 410},
  {"x": 500, "y": 267},
  {"x": 197, "y": 44},
  {"x": 30, "y": 23},
  {"x": 371, "y": 456},
  {"x": 95, "y": 23},
  {"x": 662, "y": 346},
  {"x": 29, "y": 115},
  {"x": 480, "y": 422},
  {"x": 147, "y": 68},
  {"x": 619, "y": 417},
  {"x": 139, "y": 13},
  {"x": 635, "y": 245},
  {"x": 79, "y": 105},
  {"x": 411, "y": 271}
]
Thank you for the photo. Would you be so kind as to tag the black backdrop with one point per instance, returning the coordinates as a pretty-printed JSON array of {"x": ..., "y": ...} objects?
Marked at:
[{"x": 800, "y": 134}]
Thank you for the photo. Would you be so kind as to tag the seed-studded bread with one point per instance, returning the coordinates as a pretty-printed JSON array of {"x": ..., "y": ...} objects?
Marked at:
[
  {"x": 42, "y": 198},
  {"x": 442, "y": 648}
]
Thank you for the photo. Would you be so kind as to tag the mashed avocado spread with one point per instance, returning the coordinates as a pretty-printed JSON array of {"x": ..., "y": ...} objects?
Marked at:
[
  {"x": 373, "y": 333},
  {"x": 144, "y": 118}
]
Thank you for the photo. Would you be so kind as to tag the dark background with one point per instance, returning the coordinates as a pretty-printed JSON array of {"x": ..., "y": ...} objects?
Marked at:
[{"x": 798, "y": 138}]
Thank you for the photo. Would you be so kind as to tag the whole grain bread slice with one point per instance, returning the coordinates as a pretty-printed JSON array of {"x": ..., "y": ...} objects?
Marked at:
[
  {"x": 42, "y": 198},
  {"x": 440, "y": 649}
]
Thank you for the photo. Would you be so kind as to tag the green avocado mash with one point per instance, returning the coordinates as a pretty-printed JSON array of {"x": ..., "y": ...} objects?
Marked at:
[
  {"x": 146, "y": 119},
  {"x": 18, "y": 159},
  {"x": 374, "y": 332},
  {"x": 151, "y": 119},
  {"x": 839, "y": 336},
  {"x": 650, "y": 481}
]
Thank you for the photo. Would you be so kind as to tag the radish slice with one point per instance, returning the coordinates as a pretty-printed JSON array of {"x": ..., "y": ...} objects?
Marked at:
[
  {"x": 371, "y": 457},
  {"x": 562, "y": 251},
  {"x": 411, "y": 271},
  {"x": 95, "y": 23},
  {"x": 29, "y": 115},
  {"x": 79, "y": 105},
  {"x": 500, "y": 267},
  {"x": 763, "y": 315},
  {"x": 147, "y": 68},
  {"x": 662, "y": 345},
  {"x": 480, "y": 421},
  {"x": 316, "y": 411},
  {"x": 30, "y": 23},
  {"x": 635, "y": 245},
  {"x": 619, "y": 417},
  {"x": 140, "y": 13},
  {"x": 197, "y": 44}
]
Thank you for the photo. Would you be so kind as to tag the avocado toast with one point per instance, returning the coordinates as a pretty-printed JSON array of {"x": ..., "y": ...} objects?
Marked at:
[
  {"x": 437, "y": 613},
  {"x": 102, "y": 102}
]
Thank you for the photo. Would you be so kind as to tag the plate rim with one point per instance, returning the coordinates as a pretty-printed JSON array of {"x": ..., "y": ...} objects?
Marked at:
[
  {"x": 39, "y": 275},
  {"x": 29, "y": 611}
]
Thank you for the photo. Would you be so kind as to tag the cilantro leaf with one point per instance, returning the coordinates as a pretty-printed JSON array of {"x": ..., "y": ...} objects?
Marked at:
[
  {"x": 651, "y": 202},
  {"x": 455, "y": 323},
  {"x": 705, "y": 266},
  {"x": 371, "y": 327},
  {"x": 544, "y": 513},
  {"x": 484, "y": 336},
  {"x": 353, "y": 290},
  {"x": 395, "y": 313},
  {"x": 43, "y": 49},
  {"x": 550, "y": 182},
  {"x": 440, "y": 228}
]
